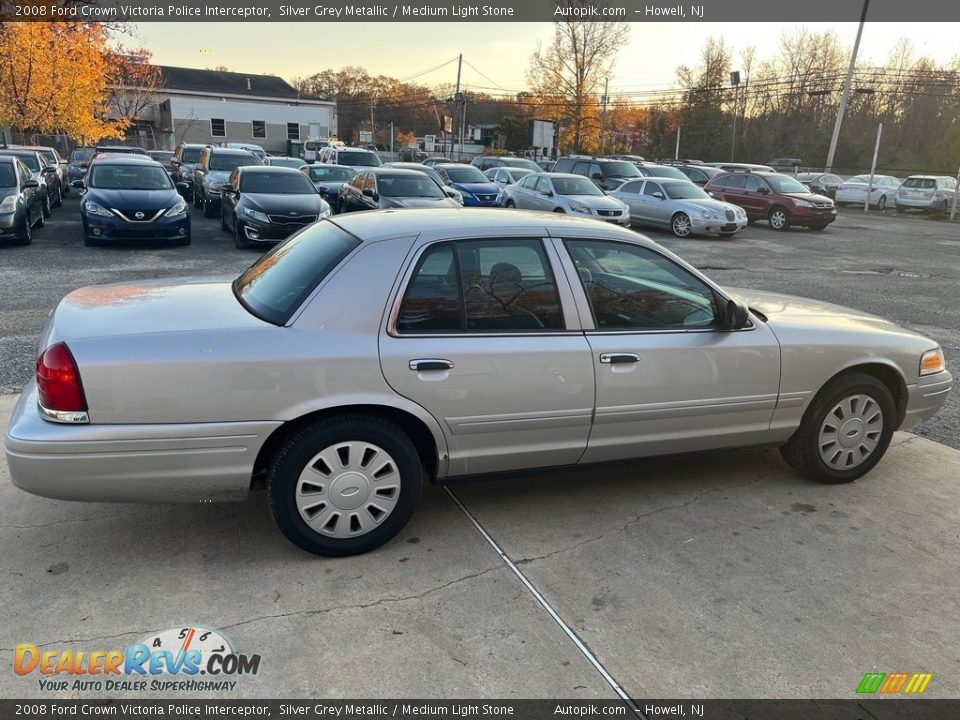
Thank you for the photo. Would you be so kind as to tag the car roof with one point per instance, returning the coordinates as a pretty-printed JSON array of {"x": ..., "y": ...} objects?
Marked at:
[
  {"x": 132, "y": 149},
  {"x": 482, "y": 222},
  {"x": 17, "y": 151},
  {"x": 229, "y": 151},
  {"x": 269, "y": 170},
  {"x": 124, "y": 159},
  {"x": 329, "y": 165},
  {"x": 391, "y": 170}
]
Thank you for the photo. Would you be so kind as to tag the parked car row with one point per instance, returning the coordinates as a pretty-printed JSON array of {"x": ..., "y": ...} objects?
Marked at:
[{"x": 33, "y": 182}]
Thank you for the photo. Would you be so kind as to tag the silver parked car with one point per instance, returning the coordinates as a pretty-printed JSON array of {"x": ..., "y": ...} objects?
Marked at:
[
  {"x": 564, "y": 193},
  {"x": 504, "y": 176},
  {"x": 373, "y": 351},
  {"x": 931, "y": 193},
  {"x": 679, "y": 206},
  {"x": 854, "y": 190}
]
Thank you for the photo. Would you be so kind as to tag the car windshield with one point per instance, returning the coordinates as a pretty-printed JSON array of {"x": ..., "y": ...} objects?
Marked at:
[
  {"x": 784, "y": 184},
  {"x": 465, "y": 174},
  {"x": 8, "y": 178},
  {"x": 30, "y": 161},
  {"x": 575, "y": 186},
  {"x": 326, "y": 173},
  {"x": 665, "y": 171},
  {"x": 366, "y": 159},
  {"x": 81, "y": 155},
  {"x": 277, "y": 284},
  {"x": 921, "y": 183},
  {"x": 226, "y": 163},
  {"x": 522, "y": 164},
  {"x": 276, "y": 183},
  {"x": 190, "y": 155},
  {"x": 684, "y": 191},
  {"x": 408, "y": 186},
  {"x": 621, "y": 168},
  {"x": 129, "y": 177},
  {"x": 294, "y": 163}
]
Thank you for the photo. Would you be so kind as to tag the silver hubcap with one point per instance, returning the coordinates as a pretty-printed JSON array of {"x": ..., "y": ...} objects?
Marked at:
[
  {"x": 778, "y": 219},
  {"x": 850, "y": 432},
  {"x": 348, "y": 489},
  {"x": 681, "y": 225}
]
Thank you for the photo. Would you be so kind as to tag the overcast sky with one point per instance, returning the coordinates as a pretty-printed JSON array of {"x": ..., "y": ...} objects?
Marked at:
[{"x": 501, "y": 52}]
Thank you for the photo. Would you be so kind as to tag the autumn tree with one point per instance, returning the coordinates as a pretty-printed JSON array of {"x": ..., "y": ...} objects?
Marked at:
[
  {"x": 135, "y": 82},
  {"x": 54, "y": 77},
  {"x": 571, "y": 70}
]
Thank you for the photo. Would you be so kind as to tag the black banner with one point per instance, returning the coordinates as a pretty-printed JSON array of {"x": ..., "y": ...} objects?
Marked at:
[
  {"x": 738, "y": 11},
  {"x": 180, "y": 709}
]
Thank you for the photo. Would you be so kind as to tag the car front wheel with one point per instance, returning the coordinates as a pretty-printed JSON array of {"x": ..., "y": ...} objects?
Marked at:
[
  {"x": 344, "y": 485},
  {"x": 779, "y": 220},
  {"x": 844, "y": 432},
  {"x": 45, "y": 207},
  {"x": 681, "y": 225}
]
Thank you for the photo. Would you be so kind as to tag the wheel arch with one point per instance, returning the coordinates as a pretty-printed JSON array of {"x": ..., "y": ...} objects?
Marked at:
[
  {"x": 889, "y": 375},
  {"x": 432, "y": 454}
]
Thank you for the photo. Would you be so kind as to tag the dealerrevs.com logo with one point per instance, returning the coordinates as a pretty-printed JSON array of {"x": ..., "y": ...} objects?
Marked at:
[{"x": 176, "y": 659}]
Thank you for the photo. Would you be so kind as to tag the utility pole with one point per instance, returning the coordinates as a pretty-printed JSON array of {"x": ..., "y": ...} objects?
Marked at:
[
  {"x": 735, "y": 81},
  {"x": 458, "y": 98},
  {"x": 392, "y": 158},
  {"x": 676, "y": 154},
  {"x": 463, "y": 123},
  {"x": 603, "y": 118},
  {"x": 873, "y": 167},
  {"x": 846, "y": 90}
]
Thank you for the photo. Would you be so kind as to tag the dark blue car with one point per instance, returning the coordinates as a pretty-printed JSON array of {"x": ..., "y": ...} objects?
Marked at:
[
  {"x": 132, "y": 199},
  {"x": 475, "y": 187}
]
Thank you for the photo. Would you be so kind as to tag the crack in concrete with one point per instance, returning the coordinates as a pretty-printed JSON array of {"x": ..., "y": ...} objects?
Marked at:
[
  {"x": 302, "y": 613},
  {"x": 61, "y": 522}
]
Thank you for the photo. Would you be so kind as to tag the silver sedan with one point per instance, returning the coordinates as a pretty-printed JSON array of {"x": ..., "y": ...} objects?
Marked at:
[
  {"x": 373, "y": 352},
  {"x": 564, "y": 193},
  {"x": 854, "y": 190},
  {"x": 679, "y": 206}
]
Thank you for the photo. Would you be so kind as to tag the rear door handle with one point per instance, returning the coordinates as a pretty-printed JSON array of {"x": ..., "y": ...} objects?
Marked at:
[
  {"x": 430, "y": 364},
  {"x": 612, "y": 358}
]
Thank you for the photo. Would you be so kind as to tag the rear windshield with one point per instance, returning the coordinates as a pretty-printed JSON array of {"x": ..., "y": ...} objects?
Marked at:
[
  {"x": 276, "y": 183},
  {"x": 418, "y": 185},
  {"x": 294, "y": 163},
  {"x": 922, "y": 183},
  {"x": 224, "y": 163},
  {"x": 621, "y": 168},
  {"x": 81, "y": 155},
  {"x": 191, "y": 155},
  {"x": 326, "y": 173},
  {"x": 665, "y": 171},
  {"x": 465, "y": 174},
  {"x": 278, "y": 283},
  {"x": 349, "y": 157}
]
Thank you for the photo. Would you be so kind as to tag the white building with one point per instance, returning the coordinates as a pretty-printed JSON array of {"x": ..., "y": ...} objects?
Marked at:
[{"x": 213, "y": 106}]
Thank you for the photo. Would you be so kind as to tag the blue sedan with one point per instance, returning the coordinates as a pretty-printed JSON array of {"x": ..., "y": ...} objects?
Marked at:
[
  {"x": 132, "y": 199},
  {"x": 475, "y": 187}
]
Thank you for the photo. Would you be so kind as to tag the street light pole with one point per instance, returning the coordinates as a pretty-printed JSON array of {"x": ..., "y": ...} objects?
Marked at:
[{"x": 846, "y": 90}]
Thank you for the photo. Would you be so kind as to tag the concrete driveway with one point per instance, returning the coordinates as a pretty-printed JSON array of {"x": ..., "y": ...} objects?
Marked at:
[{"x": 719, "y": 575}]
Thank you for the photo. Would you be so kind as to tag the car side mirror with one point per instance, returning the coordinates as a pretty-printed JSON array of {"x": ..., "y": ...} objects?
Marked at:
[
  {"x": 735, "y": 315},
  {"x": 658, "y": 195},
  {"x": 76, "y": 183},
  {"x": 763, "y": 190},
  {"x": 227, "y": 188},
  {"x": 33, "y": 183}
]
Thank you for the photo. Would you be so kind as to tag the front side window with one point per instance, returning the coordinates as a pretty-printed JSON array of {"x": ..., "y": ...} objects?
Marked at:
[
  {"x": 630, "y": 287},
  {"x": 479, "y": 286},
  {"x": 650, "y": 188},
  {"x": 218, "y": 127},
  {"x": 755, "y": 184}
]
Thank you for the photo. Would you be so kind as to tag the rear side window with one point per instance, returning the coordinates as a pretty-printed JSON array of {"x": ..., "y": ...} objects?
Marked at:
[
  {"x": 278, "y": 283},
  {"x": 479, "y": 286}
]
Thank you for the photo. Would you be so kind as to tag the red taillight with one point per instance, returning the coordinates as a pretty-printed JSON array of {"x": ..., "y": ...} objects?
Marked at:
[{"x": 58, "y": 380}]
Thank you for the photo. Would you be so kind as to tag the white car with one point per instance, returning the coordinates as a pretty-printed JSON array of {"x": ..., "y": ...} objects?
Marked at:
[
  {"x": 854, "y": 191},
  {"x": 931, "y": 193}
]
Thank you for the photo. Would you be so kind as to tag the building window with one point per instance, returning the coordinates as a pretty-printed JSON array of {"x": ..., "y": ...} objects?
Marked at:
[
  {"x": 218, "y": 127},
  {"x": 293, "y": 131},
  {"x": 259, "y": 129}
]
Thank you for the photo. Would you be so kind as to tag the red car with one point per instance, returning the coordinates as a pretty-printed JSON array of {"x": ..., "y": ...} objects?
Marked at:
[{"x": 779, "y": 199}]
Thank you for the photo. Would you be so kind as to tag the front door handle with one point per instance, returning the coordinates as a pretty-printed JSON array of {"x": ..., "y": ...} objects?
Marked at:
[
  {"x": 430, "y": 364},
  {"x": 612, "y": 358}
]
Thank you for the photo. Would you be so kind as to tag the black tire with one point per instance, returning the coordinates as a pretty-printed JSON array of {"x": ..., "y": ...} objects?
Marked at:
[
  {"x": 208, "y": 208},
  {"x": 58, "y": 200},
  {"x": 27, "y": 230},
  {"x": 681, "y": 225},
  {"x": 223, "y": 221},
  {"x": 560, "y": 210},
  {"x": 944, "y": 208},
  {"x": 510, "y": 204},
  {"x": 779, "y": 218},
  {"x": 283, "y": 484},
  {"x": 239, "y": 237},
  {"x": 803, "y": 450},
  {"x": 41, "y": 220},
  {"x": 882, "y": 202},
  {"x": 45, "y": 206}
]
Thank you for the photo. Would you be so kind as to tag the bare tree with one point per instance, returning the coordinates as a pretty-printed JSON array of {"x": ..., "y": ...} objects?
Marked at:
[{"x": 572, "y": 68}]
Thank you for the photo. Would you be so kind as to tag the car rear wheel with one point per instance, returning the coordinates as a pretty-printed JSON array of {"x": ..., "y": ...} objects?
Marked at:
[
  {"x": 778, "y": 219},
  {"x": 344, "y": 485},
  {"x": 944, "y": 208},
  {"x": 882, "y": 202},
  {"x": 844, "y": 432},
  {"x": 27, "y": 229},
  {"x": 223, "y": 220},
  {"x": 58, "y": 201},
  {"x": 681, "y": 226}
]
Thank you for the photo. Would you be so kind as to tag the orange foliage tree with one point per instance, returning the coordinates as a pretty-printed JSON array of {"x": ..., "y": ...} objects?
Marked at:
[{"x": 54, "y": 78}]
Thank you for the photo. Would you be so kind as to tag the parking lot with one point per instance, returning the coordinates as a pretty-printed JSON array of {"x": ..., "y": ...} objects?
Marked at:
[{"x": 680, "y": 576}]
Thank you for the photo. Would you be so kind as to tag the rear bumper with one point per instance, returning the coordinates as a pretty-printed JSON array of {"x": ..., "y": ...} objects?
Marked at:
[
  {"x": 926, "y": 398},
  {"x": 919, "y": 203},
  {"x": 169, "y": 463}
]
